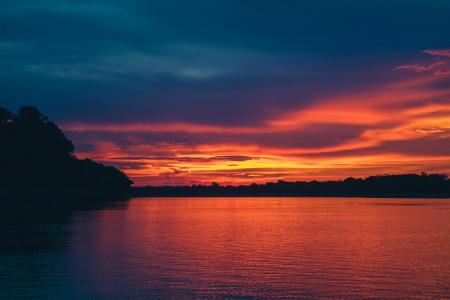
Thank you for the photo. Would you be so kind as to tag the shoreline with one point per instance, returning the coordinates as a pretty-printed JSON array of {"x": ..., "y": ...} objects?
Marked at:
[{"x": 294, "y": 196}]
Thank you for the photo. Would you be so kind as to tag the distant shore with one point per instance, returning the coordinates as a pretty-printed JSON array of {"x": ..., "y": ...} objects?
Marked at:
[
  {"x": 381, "y": 186},
  {"x": 290, "y": 196}
]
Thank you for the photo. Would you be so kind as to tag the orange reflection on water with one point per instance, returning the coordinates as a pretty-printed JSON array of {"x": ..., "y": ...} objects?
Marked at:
[{"x": 267, "y": 247}]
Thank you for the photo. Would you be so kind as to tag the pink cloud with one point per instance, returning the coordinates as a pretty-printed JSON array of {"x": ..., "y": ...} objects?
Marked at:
[
  {"x": 438, "y": 52},
  {"x": 419, "y": 68},
  {"x": 439, "y": 65}
]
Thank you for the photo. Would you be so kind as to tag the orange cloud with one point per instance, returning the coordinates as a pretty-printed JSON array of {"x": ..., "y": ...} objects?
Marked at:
[{"x": 385, "y": 129}]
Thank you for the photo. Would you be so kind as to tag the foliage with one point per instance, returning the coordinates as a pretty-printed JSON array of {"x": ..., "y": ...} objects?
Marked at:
[{"x": 37, "y": 158}]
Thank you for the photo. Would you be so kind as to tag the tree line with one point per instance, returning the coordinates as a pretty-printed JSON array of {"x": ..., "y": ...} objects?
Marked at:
[{"x": 406, "y": 185}]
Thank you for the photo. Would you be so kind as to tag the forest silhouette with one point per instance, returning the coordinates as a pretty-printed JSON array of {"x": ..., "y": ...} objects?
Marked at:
[
  {"x": 39, "y": 168},
  {"x": 396, "y": 186}
]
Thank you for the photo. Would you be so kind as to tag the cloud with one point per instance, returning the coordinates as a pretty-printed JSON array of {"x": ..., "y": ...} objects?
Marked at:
[
  {"x": 232, "y": 158},
  {"x": 438, "y": 52},
  {"x": 441, "y": 67},
  {"x": 132, "y": 64},
  {"x": 184, "y": 61},
  {"x": 419, "y": 68},
  {"x": 402, "y": 126}
]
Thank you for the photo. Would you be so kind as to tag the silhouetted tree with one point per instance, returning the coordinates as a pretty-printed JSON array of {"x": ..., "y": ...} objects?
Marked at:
[{"x": 36, "y": 156}]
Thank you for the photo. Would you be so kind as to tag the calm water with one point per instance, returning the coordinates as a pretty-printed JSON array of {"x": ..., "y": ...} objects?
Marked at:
[{"x": 235, "y": 248}]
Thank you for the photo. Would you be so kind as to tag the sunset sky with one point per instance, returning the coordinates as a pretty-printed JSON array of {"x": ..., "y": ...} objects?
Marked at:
[{"x": 183, "y": 92}]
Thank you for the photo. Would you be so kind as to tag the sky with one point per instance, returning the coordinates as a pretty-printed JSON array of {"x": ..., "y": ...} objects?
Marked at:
[{"x": 235, "y": 92}]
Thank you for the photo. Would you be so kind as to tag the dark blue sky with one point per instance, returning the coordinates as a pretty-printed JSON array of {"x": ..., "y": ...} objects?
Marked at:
[{"x": 153, "y": 60}]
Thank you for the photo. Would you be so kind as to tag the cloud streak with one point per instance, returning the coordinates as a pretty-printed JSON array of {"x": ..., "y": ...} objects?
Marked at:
[
  {"x": 400, "y": 126},
  {"x": 438, "y": 52}
]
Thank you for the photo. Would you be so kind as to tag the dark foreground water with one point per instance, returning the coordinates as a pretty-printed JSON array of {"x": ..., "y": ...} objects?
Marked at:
[{"x": 234, "y": 248}]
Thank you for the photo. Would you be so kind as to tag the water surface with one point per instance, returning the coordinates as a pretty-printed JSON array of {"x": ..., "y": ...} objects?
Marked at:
[{"x": 235, "y": 248}]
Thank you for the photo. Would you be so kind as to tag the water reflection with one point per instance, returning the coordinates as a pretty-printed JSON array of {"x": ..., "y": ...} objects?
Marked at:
[
  {"x": 34, "y": 252},
  {"x": 242, "y": 247},
  {"x": 268, "y": 247}
]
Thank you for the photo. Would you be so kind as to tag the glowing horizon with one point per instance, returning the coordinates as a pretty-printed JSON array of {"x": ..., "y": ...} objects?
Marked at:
[{"x": 402, "y": 126}]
